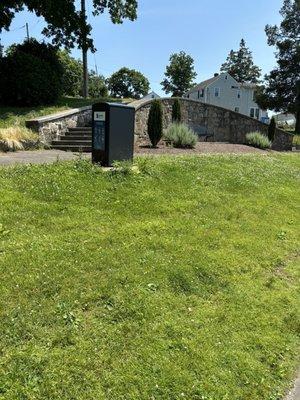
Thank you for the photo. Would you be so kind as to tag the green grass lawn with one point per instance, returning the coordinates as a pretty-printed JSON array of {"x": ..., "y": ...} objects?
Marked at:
[
  {"x": 178, "y": 282},
  {"x": 18, "y": 115}
]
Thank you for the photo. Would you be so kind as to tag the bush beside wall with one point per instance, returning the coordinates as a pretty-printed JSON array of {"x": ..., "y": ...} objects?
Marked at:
[{"x": 155, "y": 122}]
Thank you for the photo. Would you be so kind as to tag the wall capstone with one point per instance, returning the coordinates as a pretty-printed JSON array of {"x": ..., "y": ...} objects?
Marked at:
[{"x": 50, "y": 127}]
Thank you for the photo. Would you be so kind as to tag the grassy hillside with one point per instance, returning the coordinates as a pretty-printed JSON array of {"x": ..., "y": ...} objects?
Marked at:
[
  {"x": 178, "y": 282},
  {"x": 10, "y": 116}
]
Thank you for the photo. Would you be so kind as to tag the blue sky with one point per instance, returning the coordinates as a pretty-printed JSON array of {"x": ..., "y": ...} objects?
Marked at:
[{"x": 206, "y": 29}]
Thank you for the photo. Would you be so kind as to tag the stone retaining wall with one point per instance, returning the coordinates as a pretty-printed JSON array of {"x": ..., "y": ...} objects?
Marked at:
[
  {"x": 225, "y": 125},
  {"x": 52, "y": 126}
]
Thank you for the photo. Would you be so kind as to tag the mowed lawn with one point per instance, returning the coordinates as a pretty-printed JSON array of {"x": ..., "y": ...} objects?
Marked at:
[{"x": 177, "y": 282}]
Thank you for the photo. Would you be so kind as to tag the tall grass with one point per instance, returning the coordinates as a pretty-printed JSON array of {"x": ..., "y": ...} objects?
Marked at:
[
  {"x": 296, "y": 140},
  {"x": 17, "y": 138}
]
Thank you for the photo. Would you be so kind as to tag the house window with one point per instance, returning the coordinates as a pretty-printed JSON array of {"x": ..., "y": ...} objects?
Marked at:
[
  {"x": 226, "y": 77},
  {"x": 217, "y": 92},
  {"x": 237, "y": 109},
  {"x": 200, "y": 93},
  {"x": 239, "y": 94},
  {"x": 252, "y": 112},
  {"x": 257, "y": 113}
]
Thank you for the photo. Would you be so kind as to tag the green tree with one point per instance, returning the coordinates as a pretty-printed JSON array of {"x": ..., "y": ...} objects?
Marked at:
[
  {"x": 97, "y": 85},
  {"x": 31, "y": 74},
  {"x": 155, "y": 122},
  {"x": 280, "y": 90},
  {"x": 179, "y": 75},
  {"x": 128, "y": 83},
  {"x": 65, "y": 22},
  {"x": 176, "y": 111},
  {"x": 239, "y": 64},
  {"x": 72, "y": 74}
]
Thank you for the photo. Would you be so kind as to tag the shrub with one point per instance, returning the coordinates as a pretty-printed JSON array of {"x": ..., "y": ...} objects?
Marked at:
[
  {"x": 155, "y": 123},
  {"x": 256, "y": 139},
  {"x": 31, "y": 75},
  {"x": 181, "y": 136},
  {"x": 296, "y": 140},
  {"x": 176, "y": 111},
  {"x": 272, "y": 129},
  {"x": 17, "y": 138}
]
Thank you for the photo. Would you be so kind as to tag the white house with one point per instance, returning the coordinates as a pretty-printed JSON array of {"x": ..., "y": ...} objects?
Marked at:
[
  {"x": 224, "y": 91},
  {"x": 285, "y": 119},
  {"x": 151, "y": 96}
]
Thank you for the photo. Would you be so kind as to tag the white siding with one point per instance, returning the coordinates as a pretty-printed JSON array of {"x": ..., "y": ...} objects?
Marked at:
[{"x": 232, "y": 95}]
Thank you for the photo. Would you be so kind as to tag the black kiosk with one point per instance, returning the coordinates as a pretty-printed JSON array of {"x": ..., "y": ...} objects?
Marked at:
[{"x": 113, "y": 133}]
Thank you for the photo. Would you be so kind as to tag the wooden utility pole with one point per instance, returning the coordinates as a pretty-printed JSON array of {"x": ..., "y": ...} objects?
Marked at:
[
  {"x": 85, "y": 89},
  {"x": 27, "y": 30},
  {"x": 1, "y": 49}
]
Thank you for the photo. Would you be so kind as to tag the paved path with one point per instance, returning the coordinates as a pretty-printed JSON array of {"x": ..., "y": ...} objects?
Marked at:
[
  {"x": 37, "y": 157},
  {"x": 295, "y": 392},
  {"x": 50, "y": 156}
]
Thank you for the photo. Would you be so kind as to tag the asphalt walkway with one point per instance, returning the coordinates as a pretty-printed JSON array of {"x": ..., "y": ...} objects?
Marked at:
[{"x": 37, "y": 157}]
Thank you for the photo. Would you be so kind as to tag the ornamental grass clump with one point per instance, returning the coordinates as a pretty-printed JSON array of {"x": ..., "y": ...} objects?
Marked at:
[
  {"x": 181, "y": 136},
  {"x": 17, "y": 138},
  {"x": 257, "y": 139}
]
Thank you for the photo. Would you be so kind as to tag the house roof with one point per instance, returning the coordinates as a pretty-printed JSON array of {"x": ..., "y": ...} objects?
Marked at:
[
  {"x": 204, "y": 84},
  {"x": 152, "y": 94}
]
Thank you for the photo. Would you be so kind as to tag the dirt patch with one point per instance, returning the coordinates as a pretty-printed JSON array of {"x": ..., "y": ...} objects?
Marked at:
[{"x": 201, "y": 148}]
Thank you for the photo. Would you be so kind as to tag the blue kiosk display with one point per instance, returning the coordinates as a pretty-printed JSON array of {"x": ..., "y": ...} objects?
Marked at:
[{"x": 113, "y": 133}]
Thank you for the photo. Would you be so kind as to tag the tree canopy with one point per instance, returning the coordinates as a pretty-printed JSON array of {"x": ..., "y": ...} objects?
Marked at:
[
  {"x": 280, "y": 90},
  {"x": 65, "y": 23},
  {"x": 180, "y": 74},
  {"x": 239, "y": 64},
  {"x": 72, "y": 77},
  {"x": 31, "y": 74},
  {"x": 128, "y": 83}
]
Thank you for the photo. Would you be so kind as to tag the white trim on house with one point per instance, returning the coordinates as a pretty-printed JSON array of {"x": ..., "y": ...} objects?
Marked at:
[{"x": 231, "y": 95}]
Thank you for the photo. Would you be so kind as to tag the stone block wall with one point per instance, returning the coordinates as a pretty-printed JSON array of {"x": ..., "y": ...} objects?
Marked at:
[
  {"x": 51, "y": 127},
  {"x": 225, "y": 125}
]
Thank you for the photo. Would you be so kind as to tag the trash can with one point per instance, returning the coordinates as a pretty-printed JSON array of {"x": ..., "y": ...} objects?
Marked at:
[{"x": 113, "y": 133}]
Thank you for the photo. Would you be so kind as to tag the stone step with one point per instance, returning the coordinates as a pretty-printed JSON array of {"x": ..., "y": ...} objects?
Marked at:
[
  {"x": 72, "y": 147},
  {"x": 70, "y": 142},
  {"x": 80, "y": 129},
  {"x": 78, "y": 133},
  {"x": 76, "y": 137}
]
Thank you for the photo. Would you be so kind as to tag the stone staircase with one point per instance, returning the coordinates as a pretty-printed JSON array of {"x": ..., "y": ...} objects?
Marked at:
[{"x": 75, "y": 139}]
